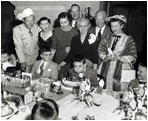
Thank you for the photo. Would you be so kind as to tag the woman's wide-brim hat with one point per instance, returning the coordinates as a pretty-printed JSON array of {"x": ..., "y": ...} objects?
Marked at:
[
  {"x": 120, "y": 17},
  {"x": 26, "y": 13}
]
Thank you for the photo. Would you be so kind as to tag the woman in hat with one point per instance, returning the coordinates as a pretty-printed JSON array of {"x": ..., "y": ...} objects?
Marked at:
[
  {"x": 116, "y": 50},
  {"x": 61, "y": 39}
]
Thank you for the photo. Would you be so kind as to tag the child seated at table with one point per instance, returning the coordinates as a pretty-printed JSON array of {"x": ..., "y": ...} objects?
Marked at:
[
  {"x": 141, "y": 75},
  {"x": 80, "y": 66},
  {"x": 7, "y": 60},
  {"x": 45, "y": 68},
  {"x": 45, "y": 110}
]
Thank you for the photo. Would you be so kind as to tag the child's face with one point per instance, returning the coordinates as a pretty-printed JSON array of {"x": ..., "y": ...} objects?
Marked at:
[
  {"x": 79, "y": 67},
  {"x": 142, "y": 73},
  {"x": 4, "y": 57},
  {"x": 46, "y": 56}
]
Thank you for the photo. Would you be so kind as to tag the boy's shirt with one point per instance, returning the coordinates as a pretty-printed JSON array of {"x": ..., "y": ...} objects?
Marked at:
[
  {"x": 89, "y": 73},
  {"x": 50, "y": 70}
]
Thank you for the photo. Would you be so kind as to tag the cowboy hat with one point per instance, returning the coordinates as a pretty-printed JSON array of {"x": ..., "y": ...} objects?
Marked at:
[{"x": 26, "y": 13}]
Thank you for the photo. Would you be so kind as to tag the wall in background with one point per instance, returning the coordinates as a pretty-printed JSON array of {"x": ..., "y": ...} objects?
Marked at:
[{"x": 51, "y": 9}]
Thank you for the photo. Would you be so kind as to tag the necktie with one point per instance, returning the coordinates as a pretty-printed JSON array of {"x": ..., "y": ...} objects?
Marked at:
[
  {"x": 30, "y": 32},
  {"x": 115, "y": 41},
  {"x": 99, "y": 35},
  {"x": 39, "y": 74},
  {"x": 42, "y": 66}
]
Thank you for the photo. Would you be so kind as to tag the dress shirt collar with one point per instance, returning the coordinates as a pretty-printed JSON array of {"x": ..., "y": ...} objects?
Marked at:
[{"x": 98, "y": 29}]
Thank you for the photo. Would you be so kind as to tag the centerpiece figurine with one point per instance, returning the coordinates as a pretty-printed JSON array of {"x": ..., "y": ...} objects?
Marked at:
[
  {"x": 133, "y": 102},
  {"x": 81, "y": 88}
]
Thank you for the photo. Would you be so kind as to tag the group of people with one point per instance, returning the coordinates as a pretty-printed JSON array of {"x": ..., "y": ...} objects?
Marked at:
[
  {"x": 74, "y": 47},
  {"x": 47, "y": 53}
]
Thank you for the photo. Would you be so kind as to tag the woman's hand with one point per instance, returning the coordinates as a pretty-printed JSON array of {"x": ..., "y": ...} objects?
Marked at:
[{"x": 112, "y": 57}]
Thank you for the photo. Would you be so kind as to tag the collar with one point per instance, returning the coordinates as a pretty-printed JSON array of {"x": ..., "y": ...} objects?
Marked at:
[{"x": 98, "y": 29}]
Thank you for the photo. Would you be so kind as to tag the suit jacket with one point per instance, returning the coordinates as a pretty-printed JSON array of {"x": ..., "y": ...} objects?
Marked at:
[
  {"x": 26, "y": 46},
  {"x": 50, "y": 71},
  {"x": 106, "y": 32}
]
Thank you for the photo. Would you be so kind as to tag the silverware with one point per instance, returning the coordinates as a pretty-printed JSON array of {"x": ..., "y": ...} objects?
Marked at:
[{"x": 13, "y": 114}]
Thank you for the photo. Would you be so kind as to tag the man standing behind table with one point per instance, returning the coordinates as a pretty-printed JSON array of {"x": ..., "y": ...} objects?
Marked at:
[
  {"x": 75, "y": 13},
  {"x": 25, "y": 38},
  {"x": 101, "y": 30}
]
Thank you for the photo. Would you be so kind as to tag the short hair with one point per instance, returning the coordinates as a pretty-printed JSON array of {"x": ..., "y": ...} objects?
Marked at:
[
  {"x": 83, "y": 19},
  {"x": 143, "y": 64},
  {"x": 42, "y": 19},
  {"x": 44, "y": 50},
  {"x": 4, "y": 51},
  {"x": 101, "y": 12},
  {"x": 65, "y": 15},
  {"x": 74, "y": 5},
  {"x": 79, "y": 58},
  {"x": 46, "y": 109}
]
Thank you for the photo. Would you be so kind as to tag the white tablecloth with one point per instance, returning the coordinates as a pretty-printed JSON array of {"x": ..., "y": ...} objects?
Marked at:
[
  {"x": 103, "y": 112},
  {"x": 67, "y": 109}
]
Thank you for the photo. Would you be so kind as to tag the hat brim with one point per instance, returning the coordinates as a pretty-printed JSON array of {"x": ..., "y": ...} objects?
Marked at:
[{"x": 21, "y": 16}]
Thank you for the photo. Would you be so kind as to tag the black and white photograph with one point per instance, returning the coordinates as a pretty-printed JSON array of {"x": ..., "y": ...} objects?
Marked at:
[{"x": 95, "y": 52}]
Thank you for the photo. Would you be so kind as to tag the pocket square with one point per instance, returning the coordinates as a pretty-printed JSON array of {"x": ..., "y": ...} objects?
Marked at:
[{"x": 49, "y": 69}]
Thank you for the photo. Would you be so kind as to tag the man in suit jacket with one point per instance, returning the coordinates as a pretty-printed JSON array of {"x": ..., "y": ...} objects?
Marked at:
[
  {"x": 45, "y": 68},
  {"x": 75, "y": 13},
  {"x": 25, "y": 38},
  {"x": 101, "y": 29}
]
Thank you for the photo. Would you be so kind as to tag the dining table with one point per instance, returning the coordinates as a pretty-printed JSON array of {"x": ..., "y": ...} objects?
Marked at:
[{"x": 69, "y": 107}]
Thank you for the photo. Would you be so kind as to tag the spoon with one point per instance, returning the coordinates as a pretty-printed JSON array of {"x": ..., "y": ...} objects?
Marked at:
[{"x": 13, "y": 114}]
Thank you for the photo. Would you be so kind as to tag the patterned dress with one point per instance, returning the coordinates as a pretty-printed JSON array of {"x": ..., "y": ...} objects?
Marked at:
[{"x": 111, "y": 70}]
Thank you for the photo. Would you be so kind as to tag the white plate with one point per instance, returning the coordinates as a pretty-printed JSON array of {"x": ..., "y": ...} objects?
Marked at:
[{"x": 10, "y": 111}]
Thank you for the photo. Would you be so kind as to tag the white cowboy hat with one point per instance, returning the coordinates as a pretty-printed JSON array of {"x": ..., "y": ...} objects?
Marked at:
[{"x": 26, "y": 12}]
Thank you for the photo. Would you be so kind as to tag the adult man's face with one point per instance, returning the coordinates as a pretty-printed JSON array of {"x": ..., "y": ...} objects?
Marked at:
[
  {"x": 100, "y": 20},
  {"x": 29, "y": 21},
  {"x": 75, "y": 12}
]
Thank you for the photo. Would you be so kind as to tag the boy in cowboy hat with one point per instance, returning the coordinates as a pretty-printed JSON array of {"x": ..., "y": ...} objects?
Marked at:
[{"x": 25, "y": 38}]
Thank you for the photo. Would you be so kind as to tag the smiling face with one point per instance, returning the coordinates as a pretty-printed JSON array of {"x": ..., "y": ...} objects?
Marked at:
[
  {"x": 142, "y": 73},
  {"x": 100, "y": 19},
  {"x": 64, "y": 22},
  {"x": 29, "y": 21},
  {"x": 44, "y": 25},
  {"x": 83, "y": 26},
  {"x": 116, "y": 27}
]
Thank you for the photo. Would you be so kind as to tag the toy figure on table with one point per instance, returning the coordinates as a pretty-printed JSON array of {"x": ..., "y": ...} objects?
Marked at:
[
  {"x": 132, "y": 103},
  {"x": 55, "y": 87},
  {"x": 84, "y": 91}
]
